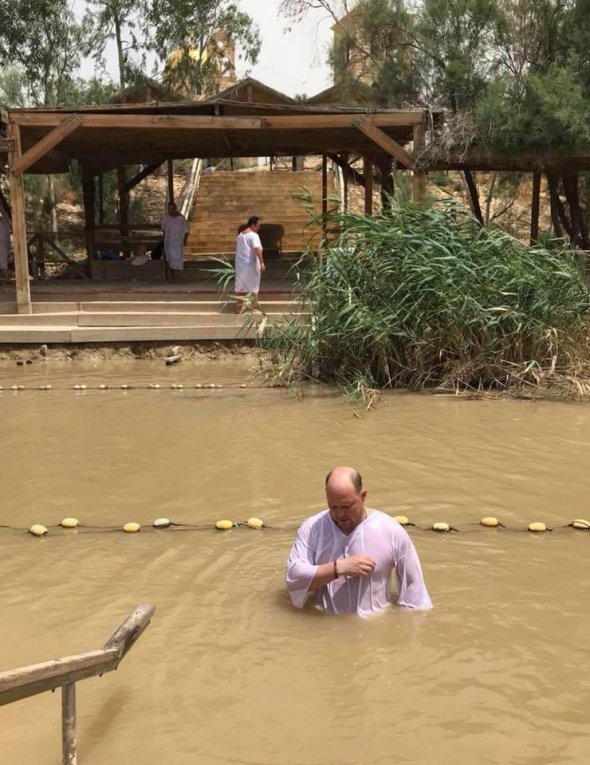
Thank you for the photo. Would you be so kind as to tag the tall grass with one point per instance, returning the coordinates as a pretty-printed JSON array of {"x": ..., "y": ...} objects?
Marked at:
[{"x": 425, "y": 297}]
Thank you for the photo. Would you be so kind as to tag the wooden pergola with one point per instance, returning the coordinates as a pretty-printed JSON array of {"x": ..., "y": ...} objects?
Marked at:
[{"x": 104, "y": 138}]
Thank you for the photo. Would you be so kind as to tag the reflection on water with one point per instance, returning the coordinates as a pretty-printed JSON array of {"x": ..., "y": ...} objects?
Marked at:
[{"x": 228, "y": 672}]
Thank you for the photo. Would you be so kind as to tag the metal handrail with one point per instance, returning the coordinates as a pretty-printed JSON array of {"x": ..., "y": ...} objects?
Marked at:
[{"x": 64, "y": 673}]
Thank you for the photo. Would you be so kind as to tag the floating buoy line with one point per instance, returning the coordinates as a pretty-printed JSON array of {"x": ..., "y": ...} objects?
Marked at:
[
  {"x": 133, "y": 527},
  {"x": 127, "y": 386}
]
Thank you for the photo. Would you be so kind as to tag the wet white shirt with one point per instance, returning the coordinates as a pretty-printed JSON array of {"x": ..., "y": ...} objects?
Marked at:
[{"x": 380, "y": 537}]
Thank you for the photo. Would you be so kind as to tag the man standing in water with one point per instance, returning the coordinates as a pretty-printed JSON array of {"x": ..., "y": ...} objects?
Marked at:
[
  {"x": 346, "y": 555},
  {"x": 175, "y": 228}
]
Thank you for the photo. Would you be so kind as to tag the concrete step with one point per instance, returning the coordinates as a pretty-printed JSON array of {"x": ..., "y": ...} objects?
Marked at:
[{"x": 65, "y": 335}]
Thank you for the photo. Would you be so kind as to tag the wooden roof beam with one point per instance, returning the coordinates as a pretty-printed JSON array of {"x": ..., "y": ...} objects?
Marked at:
[
  {"x": 47, "y": 143},
  {"x": 221, "y": 122},
  {"x": 143, "y": 173},
  {"x": 347, "y": 169},
  {"x": 385, "y": 142}
]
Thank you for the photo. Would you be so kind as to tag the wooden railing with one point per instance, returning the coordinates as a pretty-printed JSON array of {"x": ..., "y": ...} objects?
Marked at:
[{"x": 64, "y": 673}]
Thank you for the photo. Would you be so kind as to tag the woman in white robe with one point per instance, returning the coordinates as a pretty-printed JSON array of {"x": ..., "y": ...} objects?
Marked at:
[{"x": 249, "y": 263}]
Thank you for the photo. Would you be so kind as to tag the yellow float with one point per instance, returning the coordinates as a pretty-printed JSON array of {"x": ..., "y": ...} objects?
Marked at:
[
  {"x": 580, "y": 523},
  {"x": 489, "y": 522},
  {"x": 224, "y": 525},
  {"x": 161, "y": 523},
  {"x": 441, "y": 526},
  {"x": 37, "y": 530},
  {"x": 537, "y": 526},
  {"x": 254, "y": 523},
  {"x": 401, "y": 519},
  {"x": 69, "y": 523},
  {"x": 131, "y": 527}
]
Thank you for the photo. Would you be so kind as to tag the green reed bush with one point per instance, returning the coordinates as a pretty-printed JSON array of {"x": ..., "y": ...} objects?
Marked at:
[{"x": 420, "y": 297}]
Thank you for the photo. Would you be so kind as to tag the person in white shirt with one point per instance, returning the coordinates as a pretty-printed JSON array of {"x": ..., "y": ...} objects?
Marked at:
[
  {"x": 175, "y": 228},
  {"x": 249, "y": 264},
  {"x": 345, "y": 555}
]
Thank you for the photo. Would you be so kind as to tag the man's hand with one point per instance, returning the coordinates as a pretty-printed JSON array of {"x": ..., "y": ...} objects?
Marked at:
[
  {"x": 356, "y": 565},
  {"x": 262, "y": 266}
]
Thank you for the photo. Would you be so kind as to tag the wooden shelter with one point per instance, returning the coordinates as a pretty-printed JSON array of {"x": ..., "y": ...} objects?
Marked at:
[{"x": 247, "y": 120}]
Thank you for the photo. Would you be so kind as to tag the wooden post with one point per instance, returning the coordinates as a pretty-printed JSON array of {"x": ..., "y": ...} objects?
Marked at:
[
  {"x": 123, "y": 202},
  {"x": 89, "y": 195},
  {"x": 368, "y": 176},
  {"x": 535, "y": 205},
  {"x": 19, "y": 225},
  {"x": 68, "y": 724},
  {"x": 419, "y": 180},
  {"x": 100, "y": 200},
  {"x": 170, "y": 180},
  {"x": 387, "y": 186},
  {"x": 345, "y": 182}
]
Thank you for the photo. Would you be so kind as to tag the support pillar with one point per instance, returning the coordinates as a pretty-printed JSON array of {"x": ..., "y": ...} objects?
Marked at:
[
  {"x": 171, "y": 180},
  {"x": 89, "y": 195},
  {"x": 324, "y": 197},
  {"x": 100, "y": 200},
  {"x": 535, "y": 205},
  {"x": 123, "y": 202},
  {"x": 419, "y": 180},
  {"x": 19, "y": 225},
  {"x": 368, "y": 176}
]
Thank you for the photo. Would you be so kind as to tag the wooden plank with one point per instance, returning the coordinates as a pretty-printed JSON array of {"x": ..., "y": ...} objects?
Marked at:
[
  {"x": 143, "y": 173},
  {"x": 68, "y": 724},
  {"x": 47, "y": 143},
  {"x": 385, "y": 142},
  {"x": 19, "y": 225},
  {"x": 6, "y": 145},
  {"x": 315, "y": 121},
  {"x": 28, "y": 681},
  {"x": 214, "y": 122},
  {"x": 419, "y": 180},
  {"x": 127, "y": 633},
  {"x": 348, "y": 171}
]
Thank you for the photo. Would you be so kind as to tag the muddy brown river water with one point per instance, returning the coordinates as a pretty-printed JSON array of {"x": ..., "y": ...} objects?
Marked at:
[{"x": 228, "y": 672}]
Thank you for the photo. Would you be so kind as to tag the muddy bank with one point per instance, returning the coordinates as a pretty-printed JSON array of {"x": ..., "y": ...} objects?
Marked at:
[{"x": 206, "y": 350}]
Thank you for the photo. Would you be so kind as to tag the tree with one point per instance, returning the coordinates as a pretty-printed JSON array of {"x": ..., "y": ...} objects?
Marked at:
[
  {"x": 114, "y": 19},
  {"x": 186, "y": 33},
  {"x": 44, "y": 43}
]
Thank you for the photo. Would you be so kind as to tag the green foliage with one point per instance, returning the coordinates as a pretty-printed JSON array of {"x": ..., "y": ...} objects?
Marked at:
[
  {"x": 43, "y": 41},
  {"x": 542, "y": 112},
  {"x": 185, "y": 29},
  {"x": 420, "y": 298}
]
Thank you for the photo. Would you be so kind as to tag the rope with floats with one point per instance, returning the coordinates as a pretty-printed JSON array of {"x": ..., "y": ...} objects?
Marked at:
[{"x": 132, "y": 527}]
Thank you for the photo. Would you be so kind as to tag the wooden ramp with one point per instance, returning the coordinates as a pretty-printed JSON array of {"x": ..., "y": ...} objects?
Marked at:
[{"x": 226, "y": 199}]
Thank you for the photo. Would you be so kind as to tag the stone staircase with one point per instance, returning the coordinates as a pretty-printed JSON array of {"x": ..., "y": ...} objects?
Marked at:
[
  {"x": 225, "y": 199},
  {"x": 142, "y": 320}
]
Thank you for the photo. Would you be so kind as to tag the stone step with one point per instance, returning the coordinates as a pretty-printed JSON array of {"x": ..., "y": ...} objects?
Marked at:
[{"x": 65, "y": 335}]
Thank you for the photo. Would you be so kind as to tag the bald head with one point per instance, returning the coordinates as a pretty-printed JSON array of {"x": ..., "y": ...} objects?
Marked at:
[
  {"x": 342, "y": 476},
  {"x": 346, "y": 498}
]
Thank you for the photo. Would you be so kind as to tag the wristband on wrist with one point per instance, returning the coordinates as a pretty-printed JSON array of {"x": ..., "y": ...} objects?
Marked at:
[{"x": 336, "y": 574}]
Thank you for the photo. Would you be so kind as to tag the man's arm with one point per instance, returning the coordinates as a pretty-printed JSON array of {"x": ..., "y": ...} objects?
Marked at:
[
  {"x": 356, "y": 565},
  {"x": 408, "y": 572}
]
